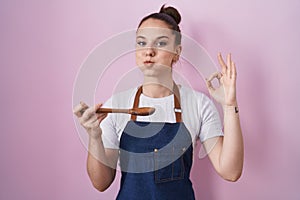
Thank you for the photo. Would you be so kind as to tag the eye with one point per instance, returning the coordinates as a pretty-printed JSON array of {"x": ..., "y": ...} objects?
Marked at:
[
  {"x": 141, "y": 43},
  {"x": 161, "y": 44}
]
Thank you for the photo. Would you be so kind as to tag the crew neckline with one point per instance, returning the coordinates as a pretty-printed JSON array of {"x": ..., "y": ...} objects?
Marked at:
[{"x": 157, "y": 98}]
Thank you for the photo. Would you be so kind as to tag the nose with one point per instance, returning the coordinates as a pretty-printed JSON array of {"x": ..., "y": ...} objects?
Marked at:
[{"x": 150, "y": 52}]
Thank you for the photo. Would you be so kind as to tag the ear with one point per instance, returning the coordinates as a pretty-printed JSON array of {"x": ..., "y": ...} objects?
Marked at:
[
  {"x": 178, "y": 49},
  {"x": 177, "y": 53}
]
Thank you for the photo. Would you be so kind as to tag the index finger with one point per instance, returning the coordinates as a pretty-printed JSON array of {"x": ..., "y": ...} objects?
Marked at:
[
  {"x": 214, "y": 75},
  {"x": 79, "y": 109}
]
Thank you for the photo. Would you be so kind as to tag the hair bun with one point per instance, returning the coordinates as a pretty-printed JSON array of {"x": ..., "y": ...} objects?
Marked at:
[{"x": 171, "y": 11}]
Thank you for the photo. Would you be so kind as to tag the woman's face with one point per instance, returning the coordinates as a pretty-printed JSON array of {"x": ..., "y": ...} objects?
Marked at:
[{"x": 155, "y": 47}]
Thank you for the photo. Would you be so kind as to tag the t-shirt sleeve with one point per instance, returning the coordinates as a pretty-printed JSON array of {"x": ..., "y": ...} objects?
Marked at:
[
  {"x": 211, "y": 125},
  {"x": 108, "y": 127}
]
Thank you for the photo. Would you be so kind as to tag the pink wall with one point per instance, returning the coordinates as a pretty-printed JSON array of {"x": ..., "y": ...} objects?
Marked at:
[{"x": 44, "y": 43}]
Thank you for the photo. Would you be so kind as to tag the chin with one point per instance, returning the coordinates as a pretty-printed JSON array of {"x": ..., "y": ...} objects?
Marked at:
[{"x": 150, "y": 73}]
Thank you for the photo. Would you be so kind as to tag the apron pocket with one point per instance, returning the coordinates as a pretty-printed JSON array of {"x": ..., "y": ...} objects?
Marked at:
[{"x": 169, "y": 165}]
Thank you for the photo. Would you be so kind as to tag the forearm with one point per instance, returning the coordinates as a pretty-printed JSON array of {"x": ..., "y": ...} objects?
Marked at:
[
  {"x": 100, "y": 166},
  {"x": 232, "y": 154}
]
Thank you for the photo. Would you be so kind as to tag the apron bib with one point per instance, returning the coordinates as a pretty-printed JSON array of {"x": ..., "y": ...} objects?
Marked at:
[{"x": 156, "y": 158}]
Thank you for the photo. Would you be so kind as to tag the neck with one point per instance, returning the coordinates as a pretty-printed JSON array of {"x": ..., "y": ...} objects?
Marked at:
[{"x": 157, "y": 88}]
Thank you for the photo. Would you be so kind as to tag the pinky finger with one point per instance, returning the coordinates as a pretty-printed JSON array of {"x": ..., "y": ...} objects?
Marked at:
[{"x": 234, "y": 73}]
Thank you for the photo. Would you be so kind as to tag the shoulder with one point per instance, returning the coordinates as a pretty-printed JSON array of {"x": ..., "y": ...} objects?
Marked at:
[
  {"x": 190, "y": 94},
  {"x": 196, "y": 101}
]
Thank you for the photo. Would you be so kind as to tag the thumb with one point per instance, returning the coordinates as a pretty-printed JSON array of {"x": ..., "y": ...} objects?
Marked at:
[
  {"x": 209, "y": 85},
  {"x": 98, "y": 106}
]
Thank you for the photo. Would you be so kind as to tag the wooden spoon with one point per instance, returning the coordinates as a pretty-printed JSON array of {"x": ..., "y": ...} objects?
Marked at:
[{"x": 143, "y": 111}]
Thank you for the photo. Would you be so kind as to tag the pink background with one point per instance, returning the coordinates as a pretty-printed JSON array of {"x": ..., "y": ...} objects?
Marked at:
[{"x": 43, "y": 44}]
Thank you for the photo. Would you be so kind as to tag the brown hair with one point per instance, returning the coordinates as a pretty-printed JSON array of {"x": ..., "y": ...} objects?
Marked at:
[{"x": 171, "y": 17}]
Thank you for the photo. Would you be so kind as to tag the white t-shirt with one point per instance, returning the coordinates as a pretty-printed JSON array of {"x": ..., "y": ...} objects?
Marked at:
[{"x": 199, "y": 114}]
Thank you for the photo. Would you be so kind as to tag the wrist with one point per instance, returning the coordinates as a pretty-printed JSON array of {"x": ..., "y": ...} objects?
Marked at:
[
  {"x": 95, "y": 133},
  {"x": 231, "y": 108}
]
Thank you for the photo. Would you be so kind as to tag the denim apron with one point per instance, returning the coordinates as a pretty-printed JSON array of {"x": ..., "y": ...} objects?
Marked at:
[{"x": 156, "y": 158}]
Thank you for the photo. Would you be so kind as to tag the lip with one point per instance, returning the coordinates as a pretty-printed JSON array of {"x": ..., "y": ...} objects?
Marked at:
[{"x": 148, "y": 62}]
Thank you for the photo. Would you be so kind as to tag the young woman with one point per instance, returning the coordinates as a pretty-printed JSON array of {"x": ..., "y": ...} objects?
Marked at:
[{"x": 155, "y": 152}]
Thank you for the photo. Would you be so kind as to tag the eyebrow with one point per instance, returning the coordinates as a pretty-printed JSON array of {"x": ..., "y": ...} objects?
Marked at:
[{"x": 160, "y": 37}]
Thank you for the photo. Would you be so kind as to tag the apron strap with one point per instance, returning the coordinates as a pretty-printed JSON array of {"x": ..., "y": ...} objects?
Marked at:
[
  {"x": 136, "y": 101},
  {"x": 177, "y": 108}
]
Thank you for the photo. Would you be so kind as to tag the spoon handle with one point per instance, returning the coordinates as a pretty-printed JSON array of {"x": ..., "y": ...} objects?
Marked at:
[
  {"x": 112, "y": 110},
  {"x": 143, "y": 111}
]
